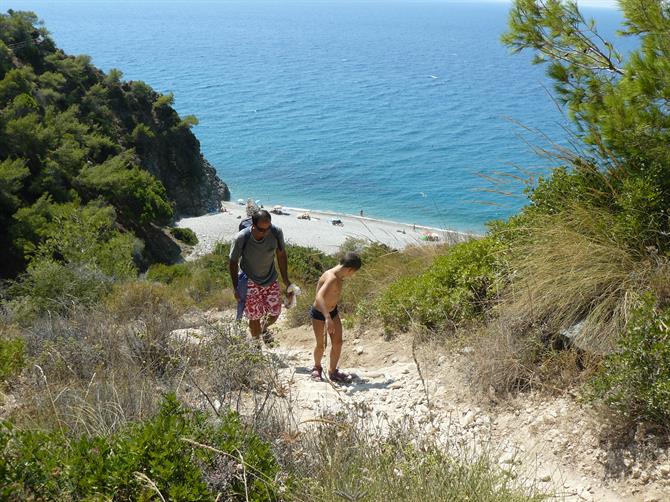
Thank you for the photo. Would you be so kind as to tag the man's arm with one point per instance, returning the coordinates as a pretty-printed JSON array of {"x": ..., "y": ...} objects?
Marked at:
[
  {"x": 233, "y": 263},
  {"x": 282, "y": 260},
  {"x": 234, "y": 268}
]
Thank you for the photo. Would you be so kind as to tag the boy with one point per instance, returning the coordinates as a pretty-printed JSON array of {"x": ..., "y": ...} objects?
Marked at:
[{"x": 324, "y": 315}]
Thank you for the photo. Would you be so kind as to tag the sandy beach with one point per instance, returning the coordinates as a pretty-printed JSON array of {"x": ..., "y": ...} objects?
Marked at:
[{"x": 318, "y": 231}]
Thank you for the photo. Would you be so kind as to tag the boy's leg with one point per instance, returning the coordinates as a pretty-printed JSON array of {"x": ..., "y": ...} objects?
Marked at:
[
  {"x": 335, "y": 345},
  {"x": 318, "y": 327}
]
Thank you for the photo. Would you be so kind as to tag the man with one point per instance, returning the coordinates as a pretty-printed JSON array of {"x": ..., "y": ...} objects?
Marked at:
[
  {"x": 324, "y": 316},
  {"x": 253, "y": 250}
]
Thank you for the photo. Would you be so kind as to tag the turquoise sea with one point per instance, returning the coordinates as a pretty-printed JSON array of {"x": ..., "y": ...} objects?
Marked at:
[{"x": 400, "y": 108}]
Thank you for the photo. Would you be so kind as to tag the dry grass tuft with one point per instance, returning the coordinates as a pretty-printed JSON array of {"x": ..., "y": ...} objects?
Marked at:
[
  {"x": 503, "y": 362},
  {"x": 571, "y": 270}
]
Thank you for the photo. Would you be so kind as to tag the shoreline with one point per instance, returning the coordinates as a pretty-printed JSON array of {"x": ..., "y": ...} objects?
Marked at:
[{"x": 318, "y": 231}]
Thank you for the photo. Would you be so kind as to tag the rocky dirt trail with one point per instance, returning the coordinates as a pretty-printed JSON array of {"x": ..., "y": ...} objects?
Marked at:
[{"x": 552, "y": 442}]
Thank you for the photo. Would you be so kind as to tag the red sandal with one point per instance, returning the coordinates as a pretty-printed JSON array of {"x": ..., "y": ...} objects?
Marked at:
[{"x": 317, "y": 373}]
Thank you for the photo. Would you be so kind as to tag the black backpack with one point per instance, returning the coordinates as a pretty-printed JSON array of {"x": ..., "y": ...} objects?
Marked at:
[{"x": 245, "y": 223}]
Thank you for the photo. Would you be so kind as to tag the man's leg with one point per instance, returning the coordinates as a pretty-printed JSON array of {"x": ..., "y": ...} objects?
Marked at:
[
  {"x": 253, "y": 309},
  {"x": 268, "y": 321},
  {"x": 255, "y": 328},
  {"x": 271, "y": 300},
  {"x": 335, "y": 345}
]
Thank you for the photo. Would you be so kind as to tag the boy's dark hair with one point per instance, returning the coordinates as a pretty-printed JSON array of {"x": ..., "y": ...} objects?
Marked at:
[
  {"x": 351, "y": 260},
  {"x": 260, "y": 215}
]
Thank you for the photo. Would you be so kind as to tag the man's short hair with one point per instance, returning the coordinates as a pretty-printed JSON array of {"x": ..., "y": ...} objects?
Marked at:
[
  {"x": 351, "y": 260},
  {"x": 260, "y": 215}
]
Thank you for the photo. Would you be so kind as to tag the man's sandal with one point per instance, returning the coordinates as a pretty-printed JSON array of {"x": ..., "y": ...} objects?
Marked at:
[
  {"x": 268, "y": 339},
  {"x": 317, "y": 374},
  {"x": 338, "y": 376}
]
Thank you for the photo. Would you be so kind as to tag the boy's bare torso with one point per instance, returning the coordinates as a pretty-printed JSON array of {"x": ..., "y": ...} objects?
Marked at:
[{"x": 332, "y": 289}]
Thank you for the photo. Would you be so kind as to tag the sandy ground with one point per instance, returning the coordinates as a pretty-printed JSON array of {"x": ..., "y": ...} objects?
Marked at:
[
  {"x": 317, "y": 232},
  {"x": 554, "y": 443},
  {"x": 558, "y": 444}
]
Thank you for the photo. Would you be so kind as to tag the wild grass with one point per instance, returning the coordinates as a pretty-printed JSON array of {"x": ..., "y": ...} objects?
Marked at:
[
  {"x": 572, "y": 269},
  {"x": 348, "y": 457},
  {"x": 97, "y": 370},
  {"x": 504, "y": 362}
]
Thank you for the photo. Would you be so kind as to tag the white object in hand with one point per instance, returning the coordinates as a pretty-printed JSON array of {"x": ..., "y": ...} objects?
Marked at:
[{"x": 291, "y": 299}]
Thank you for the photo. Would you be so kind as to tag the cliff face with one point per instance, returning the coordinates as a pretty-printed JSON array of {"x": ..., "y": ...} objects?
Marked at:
[
  {"x": 191, "y": 182},
  {"x": 168, "y": 149}
]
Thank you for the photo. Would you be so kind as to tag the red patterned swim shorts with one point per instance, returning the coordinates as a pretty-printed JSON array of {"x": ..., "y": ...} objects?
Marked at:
[{"x": 262, "y": 301}]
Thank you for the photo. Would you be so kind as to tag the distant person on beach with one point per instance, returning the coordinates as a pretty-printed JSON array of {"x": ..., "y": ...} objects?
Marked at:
[
  {"x": 325, "y": 318},
  {"x": 253, "y": 250},
  {"x": 361, "y": 212}
]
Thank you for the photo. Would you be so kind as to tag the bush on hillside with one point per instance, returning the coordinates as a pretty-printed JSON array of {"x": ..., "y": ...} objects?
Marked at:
[
  {"x": 185, "y": 235},
  {"x": 136, "y": 194},
  {"x": 50, "y": 286},
  {"x": 570, "y": 268},
  {"x": 457, "y": 287},
  {"x": 205, "y": 280},
  {"x": 12, "y": 360},
  {"x": 306, "y": 264},
  {"x": 635, "y": 380},
  {"x": 177, "y": 455}
]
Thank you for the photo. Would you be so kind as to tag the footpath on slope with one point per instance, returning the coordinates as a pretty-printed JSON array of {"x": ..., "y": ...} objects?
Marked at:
[{"x": 553, "y": 442}]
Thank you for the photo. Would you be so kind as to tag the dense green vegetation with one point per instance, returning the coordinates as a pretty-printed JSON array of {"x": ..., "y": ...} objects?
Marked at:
[
  {"x": 77, "y": 144},
  {"x": 456, "y": 288},
  {"x": 177, "y": 454},
  {"x": 594, "y": 241}
]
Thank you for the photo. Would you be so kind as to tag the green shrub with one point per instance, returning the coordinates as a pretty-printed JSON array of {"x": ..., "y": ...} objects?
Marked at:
[
  {"x": 205, "y": 280},
  {"x": 49, "y": 286},
  {"x": 635, "y": 381},
  {"x": 136, "y": 193},
  {"x": 306, "y": 264},
  {"x": 168, "y": 274},
  {"x": 11, "y": 357},
  {"x": 455, "y": 288},
  {"x": 185, "y": 235},
  {"x": 178, "y": 454}
]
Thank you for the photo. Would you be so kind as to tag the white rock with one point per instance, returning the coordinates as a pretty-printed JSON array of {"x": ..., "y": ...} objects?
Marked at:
[
  {"x": 507, "y": 458},
  {"x": 468, "y": 419}
]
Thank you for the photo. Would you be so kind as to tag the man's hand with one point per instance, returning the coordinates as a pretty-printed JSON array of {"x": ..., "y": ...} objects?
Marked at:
[{"x": 330, "y": 326}]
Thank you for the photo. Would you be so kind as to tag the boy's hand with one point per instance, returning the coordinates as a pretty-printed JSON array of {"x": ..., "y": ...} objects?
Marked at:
[{"x": 330, "y": 326}]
